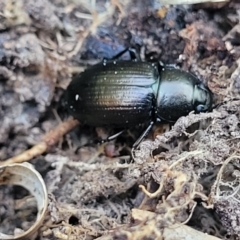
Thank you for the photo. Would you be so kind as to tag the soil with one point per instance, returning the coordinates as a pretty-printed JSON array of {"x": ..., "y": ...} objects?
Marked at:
[{"x": 185, "y": 174}]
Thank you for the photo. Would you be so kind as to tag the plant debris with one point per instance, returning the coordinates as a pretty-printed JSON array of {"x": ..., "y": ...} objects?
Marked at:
[
  {"x": 183, "y": 182},
  {"x": 27, "y": 177}
]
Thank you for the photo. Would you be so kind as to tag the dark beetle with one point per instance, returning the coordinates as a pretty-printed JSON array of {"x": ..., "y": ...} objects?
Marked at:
[{"x": 127, "y": 93}]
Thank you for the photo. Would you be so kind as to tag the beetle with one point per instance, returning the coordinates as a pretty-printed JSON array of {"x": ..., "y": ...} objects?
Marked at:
[{"x": 122, "y": 94}]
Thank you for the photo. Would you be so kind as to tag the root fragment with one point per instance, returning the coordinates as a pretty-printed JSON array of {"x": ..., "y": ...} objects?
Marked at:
[{"x": 49, "y": 140}]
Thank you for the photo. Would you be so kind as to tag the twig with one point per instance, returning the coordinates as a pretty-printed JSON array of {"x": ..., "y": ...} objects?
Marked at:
[{"x": 49, "y": 140}]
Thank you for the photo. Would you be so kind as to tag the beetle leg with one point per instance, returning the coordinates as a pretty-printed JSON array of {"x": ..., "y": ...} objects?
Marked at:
[
  {"x": 139, "y": 140},
  {"x": 110, "y": 138},
  {"x": 171, "y": 65},
  {"x": 132, "y": 52}
]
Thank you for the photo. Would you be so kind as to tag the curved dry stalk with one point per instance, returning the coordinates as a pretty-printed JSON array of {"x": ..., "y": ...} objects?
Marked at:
[
  {"x": 154, "y": 194},
  {"x": 26, "y": 176},
  {"x": 218, "y": 179},
  {"x": 49, "y": 140},
  {"x": 193, "y": 153}
]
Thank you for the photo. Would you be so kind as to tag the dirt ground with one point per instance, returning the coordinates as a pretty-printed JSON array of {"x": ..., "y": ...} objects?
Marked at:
[{"x": 183, "y": 178}]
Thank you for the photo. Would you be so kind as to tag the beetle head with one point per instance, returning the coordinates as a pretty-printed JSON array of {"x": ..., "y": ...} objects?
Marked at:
[{"x": 202, "y": 98}]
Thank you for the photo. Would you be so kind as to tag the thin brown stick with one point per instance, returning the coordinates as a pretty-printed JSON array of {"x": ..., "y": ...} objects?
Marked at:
[{"x": 49, "y": 140}]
